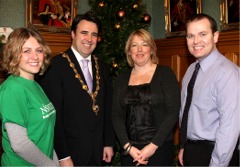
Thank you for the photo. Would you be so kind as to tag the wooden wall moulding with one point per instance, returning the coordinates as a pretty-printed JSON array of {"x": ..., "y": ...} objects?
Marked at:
[
  {"x": 229, "y": 45},
  {"x": 57, "y": 43}
]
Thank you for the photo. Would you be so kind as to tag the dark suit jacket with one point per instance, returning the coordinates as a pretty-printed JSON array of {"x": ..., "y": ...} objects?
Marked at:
[{"x": 78, "y": 132}]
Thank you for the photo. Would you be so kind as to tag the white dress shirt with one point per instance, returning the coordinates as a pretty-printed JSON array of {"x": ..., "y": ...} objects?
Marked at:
[{"x": 79, "y": 59}]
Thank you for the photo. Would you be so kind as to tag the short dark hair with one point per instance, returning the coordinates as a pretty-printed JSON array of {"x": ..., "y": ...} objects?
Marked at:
[
  {"x": 89, "y": 16},
  {"x": 201, "y": 16}
]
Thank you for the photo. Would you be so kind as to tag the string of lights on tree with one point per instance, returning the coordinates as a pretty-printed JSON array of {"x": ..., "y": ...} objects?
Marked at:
[{"x": 118, "y": 19}]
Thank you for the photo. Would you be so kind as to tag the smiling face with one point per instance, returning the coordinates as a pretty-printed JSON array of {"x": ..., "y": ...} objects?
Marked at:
[
  {"x": 201, "y": 41},
  {"x": 85, "y": 38},
  {"x": 31, "y": 59},
  {"x": 140, "y": 51}
]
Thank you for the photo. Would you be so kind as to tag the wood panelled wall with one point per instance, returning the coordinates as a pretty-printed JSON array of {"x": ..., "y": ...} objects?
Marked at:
[
  {"x": 173, "y": 52},
  {"x": 58, "y": 42}
]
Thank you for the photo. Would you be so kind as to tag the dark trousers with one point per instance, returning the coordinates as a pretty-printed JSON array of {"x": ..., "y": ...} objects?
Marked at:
[
  {"x": 162, "y": 157},
  {"x": 198, "y": 153}
]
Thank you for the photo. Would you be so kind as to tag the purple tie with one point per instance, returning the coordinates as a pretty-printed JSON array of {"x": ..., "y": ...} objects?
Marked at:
[{"x": 87, "y": 74}]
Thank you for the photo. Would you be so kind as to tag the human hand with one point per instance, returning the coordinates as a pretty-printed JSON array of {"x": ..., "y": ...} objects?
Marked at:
[
  {"x": 107, "y": 154},
  {"x": 146, "y": 152},
  {"x": 180, "y": 156},
  {"x": 142, "y": 162},
  {"x": 134, "y": 153},
  {"x": 66, "y": 162}
]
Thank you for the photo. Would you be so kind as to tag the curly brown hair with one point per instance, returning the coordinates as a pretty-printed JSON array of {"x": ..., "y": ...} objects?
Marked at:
[{"x": 12, "y": 49}]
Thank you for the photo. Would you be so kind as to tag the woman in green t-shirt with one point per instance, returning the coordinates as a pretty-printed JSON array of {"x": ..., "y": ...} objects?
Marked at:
[{"x": 27, "y": 115}]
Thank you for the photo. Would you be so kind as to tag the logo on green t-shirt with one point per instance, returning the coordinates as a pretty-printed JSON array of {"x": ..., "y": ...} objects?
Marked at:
[{"x": 47, "y": 110}]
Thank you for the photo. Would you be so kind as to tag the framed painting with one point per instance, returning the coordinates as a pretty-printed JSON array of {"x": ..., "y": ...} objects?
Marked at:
[
  {"x": 229, "y": 15},
  {"x": 50, "y": 15},
  {"x": 176, "y": 13}
]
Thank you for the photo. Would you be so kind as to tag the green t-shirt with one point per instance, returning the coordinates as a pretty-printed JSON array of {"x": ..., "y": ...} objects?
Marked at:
[{"x": 23, "y": 102}]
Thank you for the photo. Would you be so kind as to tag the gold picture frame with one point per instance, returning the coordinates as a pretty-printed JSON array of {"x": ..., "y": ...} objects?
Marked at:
[
  {"x": 229, "y": 15},
  {"x": 176, "y": 13},
  {"x": 50, "y": 15}
]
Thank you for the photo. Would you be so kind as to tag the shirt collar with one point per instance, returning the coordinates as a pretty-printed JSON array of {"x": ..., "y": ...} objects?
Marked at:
[
  {"x": 209, "y": 60},
  {"x": 78, "y": 56}
]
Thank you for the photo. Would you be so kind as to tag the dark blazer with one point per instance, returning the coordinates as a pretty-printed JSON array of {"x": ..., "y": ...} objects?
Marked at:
[{"x": 78, "y": 132}]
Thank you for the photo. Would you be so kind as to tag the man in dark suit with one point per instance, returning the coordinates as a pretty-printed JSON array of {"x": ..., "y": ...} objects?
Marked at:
[{"x": 83, "y": 133}]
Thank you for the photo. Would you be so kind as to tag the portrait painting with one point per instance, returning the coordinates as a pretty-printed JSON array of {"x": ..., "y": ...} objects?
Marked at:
[
  {"x": 177, "y": 12},
  {"x": 229, "y": 11},
  {"x": 233, "y": 11},
  {"x": 51, "y": 15}
]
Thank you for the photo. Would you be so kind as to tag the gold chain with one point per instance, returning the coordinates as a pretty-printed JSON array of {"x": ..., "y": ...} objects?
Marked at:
[{"x": 93, "y": 95}]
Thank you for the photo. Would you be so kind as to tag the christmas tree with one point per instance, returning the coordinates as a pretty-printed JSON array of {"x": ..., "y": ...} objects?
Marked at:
[{"x": 118, "y": 18}]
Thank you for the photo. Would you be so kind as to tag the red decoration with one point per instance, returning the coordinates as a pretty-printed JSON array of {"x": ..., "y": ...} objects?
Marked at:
[
  {"x": 99, "y": 39},
  {"x": 121, "y": 14},
  {"x": 146, "y": 18}
]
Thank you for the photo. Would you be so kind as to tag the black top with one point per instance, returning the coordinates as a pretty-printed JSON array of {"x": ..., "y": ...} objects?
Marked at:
[
  {"x": 141, "y": 124},
  {"x": 161, "y": 97}
]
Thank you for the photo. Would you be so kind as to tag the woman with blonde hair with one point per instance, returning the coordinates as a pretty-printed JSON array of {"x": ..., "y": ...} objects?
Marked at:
[{"x": 146, "y": 101}]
